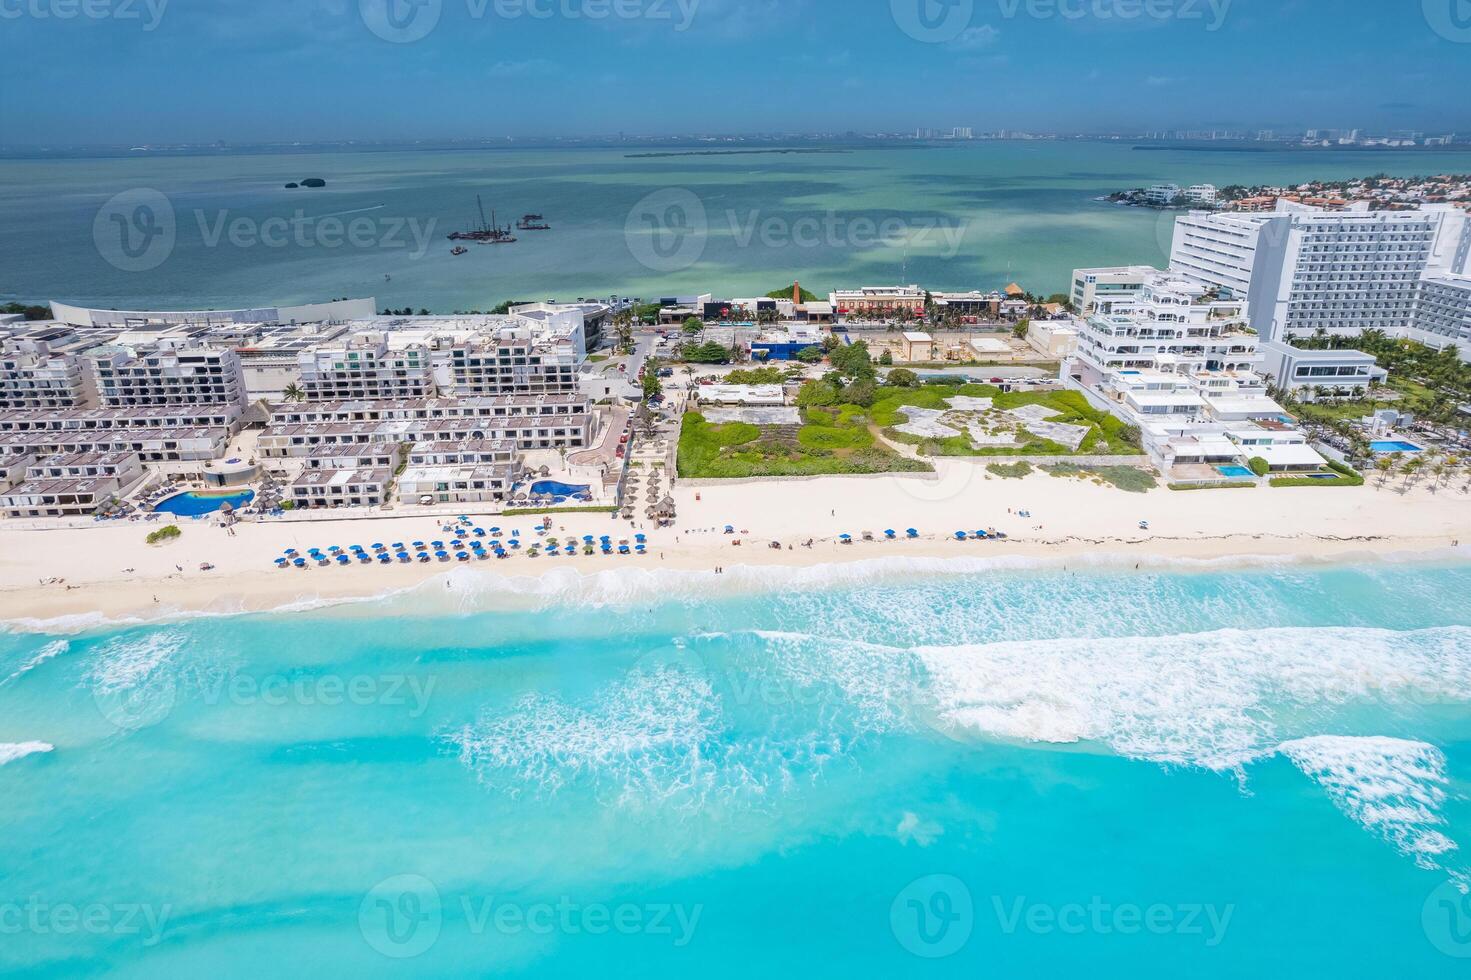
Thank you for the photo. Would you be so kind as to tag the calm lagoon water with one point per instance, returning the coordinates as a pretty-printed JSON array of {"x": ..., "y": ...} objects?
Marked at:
[
  {"x": 884, "y": 772},
  {"x": 951, "y": 217}
]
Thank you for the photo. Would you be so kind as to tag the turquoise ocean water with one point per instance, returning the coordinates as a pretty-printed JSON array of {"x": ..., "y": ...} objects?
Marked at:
[
  {"x": 883, "y": 770},
  {"x": 962, "y": 216}
]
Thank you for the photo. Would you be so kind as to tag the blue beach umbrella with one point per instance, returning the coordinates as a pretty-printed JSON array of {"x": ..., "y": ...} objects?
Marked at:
[
  {"x": 912, "y": 533},
  {"x": 889, "y": 534},
  {"x": 282, "y": 562},
  {"x": 961, "y": 535},
  {"x": 299, "y": 562}
]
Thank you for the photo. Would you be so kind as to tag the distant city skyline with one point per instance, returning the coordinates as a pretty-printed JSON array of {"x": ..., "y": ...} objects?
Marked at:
[{"x": 146, "y": 72}]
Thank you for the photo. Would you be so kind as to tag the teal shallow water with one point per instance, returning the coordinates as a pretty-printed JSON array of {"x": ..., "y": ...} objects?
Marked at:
[
  {"x": 1207, "y": 773},
  {"x": 969, "y": 216}
]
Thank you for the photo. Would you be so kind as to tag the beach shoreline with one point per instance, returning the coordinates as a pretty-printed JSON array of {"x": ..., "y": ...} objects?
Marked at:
[{"x": 70, "y": 578}]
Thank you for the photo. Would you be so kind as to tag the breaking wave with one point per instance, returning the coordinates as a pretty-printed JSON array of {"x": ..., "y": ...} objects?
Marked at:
[
  {"x": 1392, "y": 787},
  {"x": 10, "y": 751}
]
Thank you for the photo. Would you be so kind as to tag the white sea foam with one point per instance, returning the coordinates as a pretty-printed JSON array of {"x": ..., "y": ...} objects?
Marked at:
[
  {"x": 129, "y": 662},
  {"x": 10, "y": 751},
  {"x": 48, "y": 652},
  {"x": 1216, "y": 700},
  {"x": 659, "y": 736},
  {"x": 1392, "y": 787},
  {"x": 648, "y": 734}
]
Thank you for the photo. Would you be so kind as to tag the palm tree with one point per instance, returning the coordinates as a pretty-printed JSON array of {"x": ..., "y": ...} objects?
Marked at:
[
  {"x": 1385, "y": 466},
  {"x": 623, "y": 327},
  {"x": 294, "y": 393}
]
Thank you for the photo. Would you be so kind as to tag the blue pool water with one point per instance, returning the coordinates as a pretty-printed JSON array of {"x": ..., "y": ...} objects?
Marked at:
[
  {"x": 1395, "y": 446},
  {"x": 895, "y": 771},
  {"x": 558, "y": 489},
  {"x": 197, "y": 503},
  {"x": 1234, "y": 471}
]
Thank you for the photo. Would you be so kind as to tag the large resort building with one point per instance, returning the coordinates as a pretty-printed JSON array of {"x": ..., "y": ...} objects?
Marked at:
[
  {"x": 340, "y": 400},
  {"x": 1179, "y": 362},
  {"x": 1303, "y": 270}
]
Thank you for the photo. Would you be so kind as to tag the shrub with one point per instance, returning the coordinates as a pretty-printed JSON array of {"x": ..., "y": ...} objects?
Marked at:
[
  {"x": 164, "y": 534},
  {"x": 1259, "y": 466},
  {"x": 861, "y": 393},
  {"x": 1237, "y": 485},
  {"x": 1346, "y": 477},
  {"x": 1012, "y": 471},
  {"x": 1128, "y": 478},
  {"x": 902, "y": 378}
]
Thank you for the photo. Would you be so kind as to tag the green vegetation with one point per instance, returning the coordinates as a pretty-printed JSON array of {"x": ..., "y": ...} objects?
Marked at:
[
  {"x": 1010, "y": 471},
  {"x": 1127, "y": 478},
  {"x": 902, "y": 378},
  {"x": 1346, "y": 477},
  {"x": 1259, "y": 466},
  {"x": 757, "y": 376},
  {"x": 808, "y": 296},
  {"x": 1107, "y": 436},
  {"x": 810, "y": 355},
  {"x": 831, "y": 441},
  {"x": 1213, "y": 486},
  {"x": 693, "y": 325},
  {"x": 31, "y": 311},
  {"x": 707, "y": 353},
  {"x": 164, "y": 534},
  {"x": 1430, "y": 382}
]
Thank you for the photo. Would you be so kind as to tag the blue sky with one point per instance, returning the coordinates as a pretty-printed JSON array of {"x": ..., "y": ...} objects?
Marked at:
[{"x": 150, "y": 71}]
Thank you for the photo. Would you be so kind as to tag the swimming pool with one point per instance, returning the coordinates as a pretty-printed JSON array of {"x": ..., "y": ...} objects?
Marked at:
[
  {"x": 1235, "y": 471},
  {"x": 1395, "y": 446},
  {"x": 557, "y": 489},
  {"x": 197, "y": 503}
]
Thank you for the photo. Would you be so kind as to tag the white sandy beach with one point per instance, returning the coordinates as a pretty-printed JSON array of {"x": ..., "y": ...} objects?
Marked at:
[{"x": 106, "y": 571}]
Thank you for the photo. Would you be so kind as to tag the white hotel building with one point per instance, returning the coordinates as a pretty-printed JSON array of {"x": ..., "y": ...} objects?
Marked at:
[
  {"x": 1179, "y": 362},
  {"x": 1301, "y": 269}
]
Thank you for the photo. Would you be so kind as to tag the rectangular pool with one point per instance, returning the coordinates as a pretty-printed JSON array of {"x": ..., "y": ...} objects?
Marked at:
[
  {"x": 1395, "y": 446},
  {"x": 1235, "y": 472}
]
